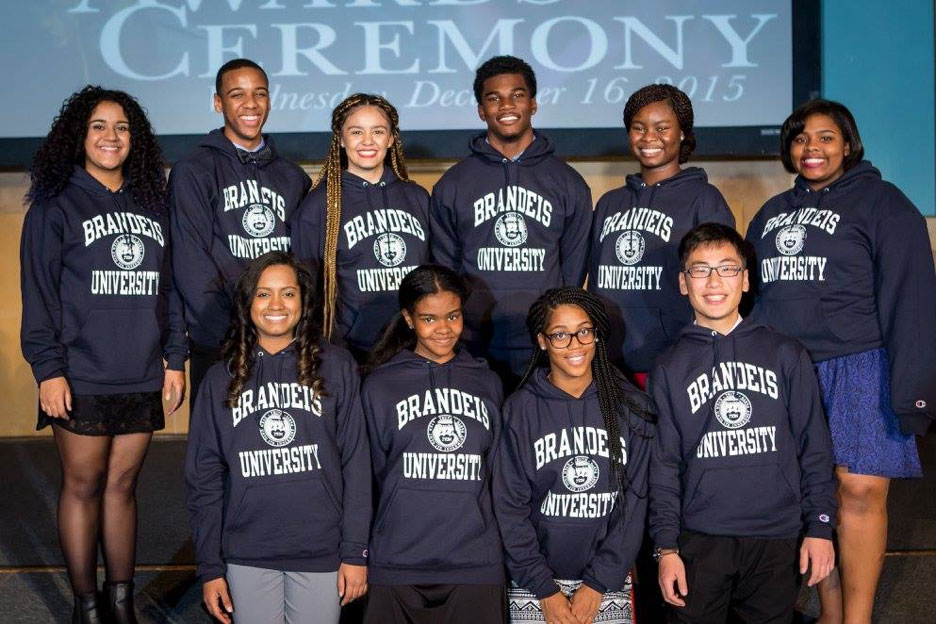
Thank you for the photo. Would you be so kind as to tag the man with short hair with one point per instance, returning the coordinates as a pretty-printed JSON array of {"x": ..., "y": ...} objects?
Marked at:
[
  {"x": 742, "y": 464},
  {"x": 512, "y": 218},
  {"x": 230, "y": 200}
]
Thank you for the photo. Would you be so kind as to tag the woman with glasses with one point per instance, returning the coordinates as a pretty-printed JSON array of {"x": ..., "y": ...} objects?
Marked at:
[
  {"x": 846, "y": 268},
  {"x": 633, "y": 265},
  {"x": 571, "y": 473}
]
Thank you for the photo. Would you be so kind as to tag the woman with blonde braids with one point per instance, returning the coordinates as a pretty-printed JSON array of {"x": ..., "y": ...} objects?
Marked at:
[{"x": 366, "y": 226}]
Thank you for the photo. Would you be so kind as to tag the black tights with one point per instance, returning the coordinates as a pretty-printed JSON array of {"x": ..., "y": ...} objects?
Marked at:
[{"x": 98, "y": 500}]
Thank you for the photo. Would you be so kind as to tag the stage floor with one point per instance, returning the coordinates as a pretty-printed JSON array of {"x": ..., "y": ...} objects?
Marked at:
[{"x": 34, "y": 588}]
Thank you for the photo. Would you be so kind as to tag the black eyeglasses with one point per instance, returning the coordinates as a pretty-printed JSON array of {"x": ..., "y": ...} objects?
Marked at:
[
  {"x": 561, "y": 340},
  {"x": 703, "y": 270}
]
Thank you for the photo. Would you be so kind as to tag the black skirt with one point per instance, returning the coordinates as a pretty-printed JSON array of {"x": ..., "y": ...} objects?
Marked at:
[{"x": 110, "y": 414}]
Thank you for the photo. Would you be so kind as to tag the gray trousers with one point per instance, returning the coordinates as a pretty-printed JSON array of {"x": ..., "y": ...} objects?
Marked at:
[{"x": 264, "y": 596}]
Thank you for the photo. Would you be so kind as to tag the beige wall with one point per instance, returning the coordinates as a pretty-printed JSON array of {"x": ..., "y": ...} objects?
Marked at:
[{"x": 746, "y": 184}]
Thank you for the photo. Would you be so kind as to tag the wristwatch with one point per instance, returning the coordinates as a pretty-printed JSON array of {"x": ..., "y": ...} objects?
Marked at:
[{"x": 659, "y": 553}]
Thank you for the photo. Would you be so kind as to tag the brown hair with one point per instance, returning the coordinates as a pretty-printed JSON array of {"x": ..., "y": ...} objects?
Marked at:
[{"x": 336, "y": 161}]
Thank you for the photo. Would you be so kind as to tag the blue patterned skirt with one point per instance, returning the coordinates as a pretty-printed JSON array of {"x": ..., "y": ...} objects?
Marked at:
[
  {"x": 866, "y": 435},
  {"x": 616, "y": 606}
]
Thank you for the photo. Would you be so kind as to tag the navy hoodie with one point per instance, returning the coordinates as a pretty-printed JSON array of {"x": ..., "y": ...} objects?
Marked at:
[
  {"x": 225, "y": 213},
  {"x": 433, "y": 429},
  {"x": 98, "y": 303},
  {"x": 559, "y": 512},
  {"x": 514, "y": 229},
  {"x": 634, "y": 263},
  {"x": 849, "y": 269},
  {"x": 384, "y": 235},
  {"x": 281, "y": 481},
  {"x": 742, "y": 449}
]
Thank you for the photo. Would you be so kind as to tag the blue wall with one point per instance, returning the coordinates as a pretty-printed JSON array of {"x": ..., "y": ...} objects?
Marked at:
[{"x": 877, "y": 58}]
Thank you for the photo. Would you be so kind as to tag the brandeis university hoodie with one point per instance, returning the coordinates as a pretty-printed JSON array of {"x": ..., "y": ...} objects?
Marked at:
[
  {"x": 384, "y": 235},
  {"x": 634, "y": 264},
  {"x": 742, "y": 448},
  {"x": 559, "y": 510},
  {"x": 849, "y": 269},
  {"x": 98, "y": 303},
  {"x": 227, "y": 209},
  {"x": 282, "y": 480},
  {"x": 514, "y": 228},
  {"x": 433, "y": 429}
]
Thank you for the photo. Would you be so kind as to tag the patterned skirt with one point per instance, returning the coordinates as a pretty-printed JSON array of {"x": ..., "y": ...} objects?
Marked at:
[
  {"x": 617, "y": 607},
  {"x": 865, "y": 430}
]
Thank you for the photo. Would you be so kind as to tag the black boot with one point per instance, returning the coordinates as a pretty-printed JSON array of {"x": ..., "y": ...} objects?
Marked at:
[
  {"x": 87, "y": 610},
  {"x": 120, "y": 602}
]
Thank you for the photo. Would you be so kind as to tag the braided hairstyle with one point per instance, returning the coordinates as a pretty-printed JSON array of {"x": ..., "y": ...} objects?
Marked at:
[
  {"x": 424, "y": 280},
  {"x": 616, "y": 395},
  {"x": 240, "y": 341},
  {"x": 63, "y": 148},
  {"x": 335, "y": 163},
  {"x": 678, "y": 101}
]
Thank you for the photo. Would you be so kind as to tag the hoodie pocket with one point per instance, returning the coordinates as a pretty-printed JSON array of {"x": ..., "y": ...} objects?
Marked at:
[
  {"x": 426, "y": 528},
  {"x": 508, "y": 318},
  {"x": 741, "y": 499},
  {"x": 804, "y": 319},
  {"x": 568, "y": 546},
  {"x": 116, "y": 346},
  {"x": 291, "y": 520}
]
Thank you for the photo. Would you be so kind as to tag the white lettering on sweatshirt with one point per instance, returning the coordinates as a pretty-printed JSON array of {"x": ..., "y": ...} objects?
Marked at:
[
  {"x": 248, "y": 192},
  {"x": 444, "y": 401},
  {"x": 574, "y": 441},
  {"x": 120, "y": 223},
  {"x": 646, "y": 219},
  {"x": 276, "y": 394},
  {"x": 513, "y": 199},
  {"x": 731, "y": 376},
  {"x": 376, "y": 222}
]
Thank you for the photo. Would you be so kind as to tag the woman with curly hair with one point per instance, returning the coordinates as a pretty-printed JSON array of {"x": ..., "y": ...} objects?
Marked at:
[
  {"x": 277, "y": 467},
  {"x": 570, "y": 476},
  {"x": 637, "y": 228},
  {"x": 99, "y": 319},
  {"x": 366, "y": 227}
]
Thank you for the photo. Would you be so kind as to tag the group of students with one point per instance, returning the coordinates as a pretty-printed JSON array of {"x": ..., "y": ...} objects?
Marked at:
[{"x": 422, "y": 487}]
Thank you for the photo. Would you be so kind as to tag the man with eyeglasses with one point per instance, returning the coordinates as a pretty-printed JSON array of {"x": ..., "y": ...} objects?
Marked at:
[{"x": 742, "y": 472}]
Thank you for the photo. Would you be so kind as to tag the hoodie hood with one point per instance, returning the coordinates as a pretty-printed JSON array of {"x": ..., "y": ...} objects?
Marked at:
[
  {"x": 539, "y": 149},
  {"x": 216, "y": 140},
  {"x": 686, "y": 176},
  {"x": 433, "y": 430},
  {"x": 862, "y": 173}
]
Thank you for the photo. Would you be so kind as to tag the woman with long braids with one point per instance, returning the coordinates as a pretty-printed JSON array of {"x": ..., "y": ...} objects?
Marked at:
[
  {"x": 633, "y": 265},
  {"x": 433, "y": 418},
  {"x": 364, "y": 225},
  {"x": 277, "y": 467},
  {"x": 571, "y": 472},
  {"x": 99, "y": 319}
]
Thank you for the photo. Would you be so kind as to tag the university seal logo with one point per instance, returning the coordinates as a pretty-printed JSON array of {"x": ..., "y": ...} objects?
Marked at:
[
  {"x": 790, "y": 240},
  {"x": 277, "y": 428},
  {"x": 446, "y": 433},
  {"x": 127, "y": 251},
  {"x": 580, "y": 473},
  {"x": 510, "y": 229},
  {"x": 732, "y": 409},
  {"x": 390, "y": 249},
  {"x": 630, "y": 247},
  {"x": 258, "y": 220}
]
